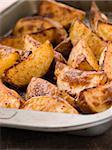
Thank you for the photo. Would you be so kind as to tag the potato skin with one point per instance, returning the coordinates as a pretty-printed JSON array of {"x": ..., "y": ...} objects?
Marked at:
[
  {"x": 9, "y": 98},
  {"x": 8, "y": 58},
  {"x": 60, "y": 12},
  {"x": 49, "y": 104},
  {"x": 36, "y": 64},
  {"x": 74, "y": 81},
  {"x": 108, "y": 61},
  {"x": 82, "y": 57},
  {"x": 41, "y": 87},
  {"x": 80, "y": 31},
  {"x": 100, "y": 23},
  {"x": 95, "y": 100},
  {"x": 13, "y": 41}
]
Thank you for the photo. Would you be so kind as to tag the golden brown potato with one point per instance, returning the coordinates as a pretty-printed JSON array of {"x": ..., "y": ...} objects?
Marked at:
[
  {"x": 100, "y": 23},
  {"x": 64, "y": 47},
  {"x": 35, "y": 24},
  {"x": 80, "y": 31},
  {"x": 96, "y": 99},
  {"x": 49, "y": 104},
  {"x": 41, "y": 87},
  {"x": 60, "y": 12},
  {"x": 82, "y": 57},
  {"x": 9, "y": 98},
  {"x": 13, "y": 41},
  {"x": 32, "y": 44},
  {"x": 53, "y": 34},
  {"x": 104, "y": 30},
  {"x": 108, "y": 62},
  {"x": 95, "y": 16},
  {"x": 74, "y": 81},
  {"x": 8, "y": 58},
  {"x": 35, "y": 65}
]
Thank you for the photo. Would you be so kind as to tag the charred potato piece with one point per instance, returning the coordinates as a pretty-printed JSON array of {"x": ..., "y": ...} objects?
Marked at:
[
  {"x": 80, "y": 31},
  {"x": 108, "y": 62},
  {"x": 95, "y": 16},
  {"x": 13, "y": 41},
  {"x": 41, "y": 87},
  {"x": 60, "y": 12},
  {"x": 96, "y": 99},
  {"x": 9, "y": 98},
  {"x": 64, "y": 47},
  {"x": 74, "y": 81},
  {"x": 35, "y": 65},
  {"x": 49, "y": 104},
  {"x": 8, "y": 58},
  {"x": 82, "y": 57}
]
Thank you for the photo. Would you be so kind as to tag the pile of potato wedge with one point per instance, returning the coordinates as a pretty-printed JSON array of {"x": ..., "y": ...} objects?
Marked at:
[{"x": 60, "y": 63}]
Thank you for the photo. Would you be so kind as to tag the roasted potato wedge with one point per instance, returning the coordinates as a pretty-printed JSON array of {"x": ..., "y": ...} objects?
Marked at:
[
  {"x": 100, "y": 23},
  {"x": 64, "y": 47},
  {"x": 82, "y": 57},
  {"x": 108, "y": 62},
  {"x": 95, "y": 99},
  {"x": 32, "y": 44},
  {"x": 9, "y": 98},
  {"x": 41, "y": 87},
  {"x": 52, "y": 34},
  {"x": 95, "y": 16},
  {"x": 8, "y": 58},
  {"x": 36, "y": 24},
  {"x": 74, "y": 81},
  {"x": 49, "y": 104},
  {"x": 80, "y": 31},
  {"x": 35, "y": 65},
  {"x": 13, "y": 41},
  {"x": 60, "y": 12},
  {"x": 104, "y": 30}
]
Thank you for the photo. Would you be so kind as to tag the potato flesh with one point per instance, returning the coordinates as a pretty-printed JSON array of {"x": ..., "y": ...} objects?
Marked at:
[
  {"x": 79, "y": 31},
  {"x": 104, "y": 30},
  {"x": 8, "y": 97},
  {"x": 82, "y": 57},
  {"x": 96, "y": 99},
  {"x": 74, "y": 81},
  {"x": 41, "y": 87},
  {"x": 37, "y": 64},
  {"x": 8, "y": 57},
  {"x": 60, "y": 12},
  {"x": 100, "y": 23},
  {"x": 13, "y": 41},
  {"x": 49, "y": 104},
  {"x": 108, "y": 62}
]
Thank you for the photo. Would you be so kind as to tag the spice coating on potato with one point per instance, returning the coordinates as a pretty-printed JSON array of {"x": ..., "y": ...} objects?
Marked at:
[
  {"x": 49, "y": 104},
  {"x": 41, "y": 87},
  {"x": 80, "y": 31},
  {"x": 60, "y": 12},
  {"x": 36, "y": 64},
  {"x": 108, "y": 62},
  {"x": 96, "y": 99},
  {"x": 74, "y": 81},
  {"x": 8, "y": 58},
  {"x": 82, "y": 57},
  {"x": 9, "y": 98}
]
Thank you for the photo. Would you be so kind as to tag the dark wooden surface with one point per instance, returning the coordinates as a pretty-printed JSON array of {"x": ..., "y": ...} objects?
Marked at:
[{"x": 15, "y": 139}]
